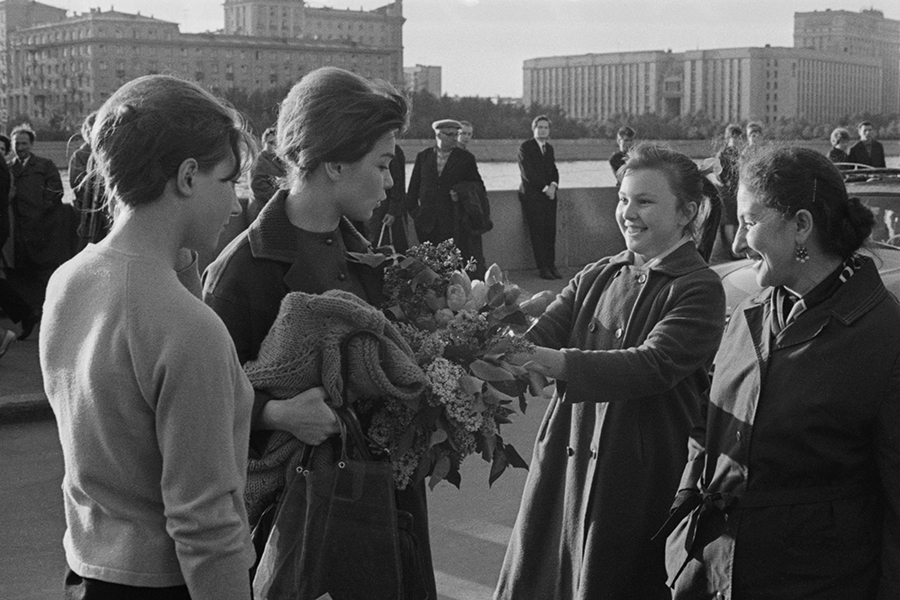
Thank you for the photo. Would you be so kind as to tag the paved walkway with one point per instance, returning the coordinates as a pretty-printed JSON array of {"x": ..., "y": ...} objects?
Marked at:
[{"x": 22, "y": 391}]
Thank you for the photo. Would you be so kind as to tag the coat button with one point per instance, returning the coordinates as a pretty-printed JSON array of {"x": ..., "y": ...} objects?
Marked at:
[
  {"x": 619, "y": 332},
  {"x": 720, "y": 596},
  {"x": 738, "y": 436},
  {"x": 342, "y": 277},
  {"x": 570, "y": 450},
  {"x": 592, "y": 327},
  {"x": 594, "y": 453},
  {"x": 329, "y": 241},
  {"x": 642, "y": 278}
]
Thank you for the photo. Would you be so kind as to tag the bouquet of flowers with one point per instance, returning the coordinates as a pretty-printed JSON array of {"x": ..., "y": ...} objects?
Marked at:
[{"x": 466, "y": 336}]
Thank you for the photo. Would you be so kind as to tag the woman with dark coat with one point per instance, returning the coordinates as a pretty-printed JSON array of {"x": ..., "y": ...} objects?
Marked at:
[
  {"x": 792, "y": 488},
  {"x": 336, "y": 135},
  {"x": 630, "y": 342}
]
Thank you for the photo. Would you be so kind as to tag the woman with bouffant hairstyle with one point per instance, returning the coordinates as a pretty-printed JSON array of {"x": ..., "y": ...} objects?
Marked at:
[
  {"x": 336, "y": 135},
  {"x": 152, "y": 405},
  {"x": 792, "y": 486}
]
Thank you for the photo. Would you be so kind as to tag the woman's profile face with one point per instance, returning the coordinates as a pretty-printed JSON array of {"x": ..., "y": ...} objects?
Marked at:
[
  {"x": 768, "y": 238},
  {"x": 362, "y": 184},
  {"x": 648, "y": 214}
]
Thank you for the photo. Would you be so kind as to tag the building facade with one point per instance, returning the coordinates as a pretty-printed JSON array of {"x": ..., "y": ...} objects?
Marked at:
[
  {"x": 768, "y": 84},
  {"x": 422, "y": 78},
  {"x": 866, "y": 33},
  {"x": 60, "y": 71}
]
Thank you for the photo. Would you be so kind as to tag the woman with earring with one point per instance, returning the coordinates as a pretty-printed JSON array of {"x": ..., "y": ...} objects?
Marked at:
[
  {"x": 336, "y": 136},
  {"x": 792, "y": 487},
  {"x": 629, "y": 342}
]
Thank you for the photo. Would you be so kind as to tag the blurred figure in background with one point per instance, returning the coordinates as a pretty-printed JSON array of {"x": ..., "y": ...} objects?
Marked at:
[
  {"x": 868, "y": 150},
  {"x": 840, "y": 143},
  {"x": 754, "y": 134},
  {"x": 537, "y": 194},
  {"x": 625, "y": 139},
  {"x": 90, "y": 197},
  {"x": 265, "y": 173},
  {"x": 728, "y": 179}
]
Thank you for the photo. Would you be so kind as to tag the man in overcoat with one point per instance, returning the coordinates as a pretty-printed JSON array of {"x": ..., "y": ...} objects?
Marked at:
[
  {"x": 37, "y": 219},
  {"x": 537, "y": 193},
  {"x": 436, "y": 171},
  {"x": 868, "y": 150}
]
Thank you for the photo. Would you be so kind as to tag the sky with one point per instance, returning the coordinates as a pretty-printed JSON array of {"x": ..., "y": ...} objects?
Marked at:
[{"x": 481, "y": 44}]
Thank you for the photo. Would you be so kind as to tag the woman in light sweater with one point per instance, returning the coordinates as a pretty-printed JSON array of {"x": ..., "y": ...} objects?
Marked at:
[{"x": 152, "y": 405}]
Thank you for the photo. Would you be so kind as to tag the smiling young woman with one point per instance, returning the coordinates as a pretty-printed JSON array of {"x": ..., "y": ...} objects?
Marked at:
[{"x": 629, "y": 341}]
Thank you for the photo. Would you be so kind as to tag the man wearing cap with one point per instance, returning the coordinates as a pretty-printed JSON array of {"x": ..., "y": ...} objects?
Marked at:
[
  {"x": 537, "y": 193},
  {"x": 437, "y": 170}
]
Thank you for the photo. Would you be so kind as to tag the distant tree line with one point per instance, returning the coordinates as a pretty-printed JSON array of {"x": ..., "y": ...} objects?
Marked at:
[{"x": 496, "y": 120}]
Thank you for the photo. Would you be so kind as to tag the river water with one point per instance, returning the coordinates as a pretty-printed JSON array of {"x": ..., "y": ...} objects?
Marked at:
[{"x": 505, "y": 175}]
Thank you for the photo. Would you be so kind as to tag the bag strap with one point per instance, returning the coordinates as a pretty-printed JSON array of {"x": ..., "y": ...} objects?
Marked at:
[{"x": 384, "y": 226}]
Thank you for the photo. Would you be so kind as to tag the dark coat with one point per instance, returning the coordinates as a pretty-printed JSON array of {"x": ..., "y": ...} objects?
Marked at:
[
  {"x": 245, "y": 286},
  {"x": 860, "y": 154},
  {"x": 613, "y": 440},
  {"x": 538, "y": 170},
  {"x": 38, "y": 214},
  {"x": 836, "y": 155},
  {"x": 802, "y": 440},
  {"x": 5, "y": 183},
  {"x": 265, "y": 173},
  {"x": 428, "y": 195}
]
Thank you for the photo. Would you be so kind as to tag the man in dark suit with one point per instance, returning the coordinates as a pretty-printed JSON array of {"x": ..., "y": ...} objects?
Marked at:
[
  {"x": 38, "y": 219},
  {"x": 868, "y": 150},
  {"x": 438, "y": 169},
  {"x": 537, "y": 193}
]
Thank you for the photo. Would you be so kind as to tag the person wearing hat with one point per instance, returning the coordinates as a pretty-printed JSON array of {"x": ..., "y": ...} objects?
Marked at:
[{"x": 437, "y": 170}]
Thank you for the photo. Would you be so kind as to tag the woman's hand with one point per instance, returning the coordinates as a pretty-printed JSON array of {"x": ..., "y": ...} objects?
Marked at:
[
  {"x": 548, "y": 362},
  {"x": 305, "y": 416}
]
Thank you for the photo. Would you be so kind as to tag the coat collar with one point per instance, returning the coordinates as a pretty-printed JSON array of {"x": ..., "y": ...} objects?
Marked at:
[
  {"x": 681, "y": 261},
  {"x": 850, "y": 302},
  {"x": 272, "y": 235}
]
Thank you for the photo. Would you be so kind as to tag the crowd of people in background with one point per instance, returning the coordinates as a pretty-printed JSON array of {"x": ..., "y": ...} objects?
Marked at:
[{"x": 776, "y": 476}]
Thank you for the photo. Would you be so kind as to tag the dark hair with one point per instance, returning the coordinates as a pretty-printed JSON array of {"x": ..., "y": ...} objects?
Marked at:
[
  {"x": 538, "y": 119},
  {"x": 864, "y": 124},
  {"x": 23, "y": 128},
  {"x": 688, "y": 183},
  {"x": 7, "y": 143},
  {"x": 625, "y": 132},
  {"x": 788, "y": 179},
  {"x": 269, "y": 131},
  {"x": 733, "y": 130},
  {"x": 151, "y": 125},
  {"x": 87, "y": 125},
  {"x": 333, "y": 115}
]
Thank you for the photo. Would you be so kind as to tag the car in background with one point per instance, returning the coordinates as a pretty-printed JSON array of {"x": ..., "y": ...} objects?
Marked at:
[{"x": 879, "y": 189}]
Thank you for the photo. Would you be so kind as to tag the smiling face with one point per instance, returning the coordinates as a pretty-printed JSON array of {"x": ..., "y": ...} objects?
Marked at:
[
  {"x": 768, "y": 238},
  {"x": 213, "y": 203},
  {"x": 648, "y": 214},
  {"x": 362, "y": 184}
]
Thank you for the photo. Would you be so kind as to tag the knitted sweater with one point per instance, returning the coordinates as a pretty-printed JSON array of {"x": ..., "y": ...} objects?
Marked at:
[
  {"x": 154, "y": 416},
  {"x": 304, "y": 349}
]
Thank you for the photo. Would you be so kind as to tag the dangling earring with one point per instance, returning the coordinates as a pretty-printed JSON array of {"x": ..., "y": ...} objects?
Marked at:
[{"x": 801, "y": 254}]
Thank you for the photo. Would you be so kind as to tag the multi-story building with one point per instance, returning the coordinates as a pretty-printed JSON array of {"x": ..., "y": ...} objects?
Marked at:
[
  {"x": 866, "y": 33},
  {"x": 15, "y": 14},
  {"x": 62, "y": 70},
  {"x": 767, "y": 84},
  {"x": 423, "y": 78}
]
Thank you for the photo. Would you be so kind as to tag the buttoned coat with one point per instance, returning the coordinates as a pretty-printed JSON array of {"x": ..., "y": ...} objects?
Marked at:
[
  {"x": 537, "y": 169},
  {"x": 428, "y": 196},
  {"x": 802, "y": 440},
  {"x": 37, "y": 213},
  {"x": 613, "y": 440}
]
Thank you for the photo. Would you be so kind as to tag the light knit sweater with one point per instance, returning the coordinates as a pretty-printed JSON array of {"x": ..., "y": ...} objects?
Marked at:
[{"x": 153, "y": 411}]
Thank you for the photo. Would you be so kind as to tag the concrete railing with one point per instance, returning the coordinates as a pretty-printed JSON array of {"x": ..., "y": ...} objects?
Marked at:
[{"x": 586, "y": 229}]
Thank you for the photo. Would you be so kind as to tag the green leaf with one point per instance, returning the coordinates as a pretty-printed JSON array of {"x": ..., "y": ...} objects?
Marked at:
[
  {"x": 489, "y": 372},
  {"x": 437, "y": 437},
  {"x": 513, "y": 457},
  {"x": 440, "y": 471},
  {"x": 498, "y": 465},
  {"x": 515, "y": 318}
]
